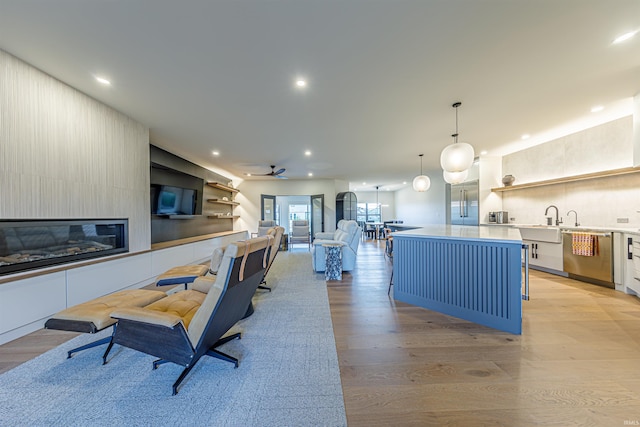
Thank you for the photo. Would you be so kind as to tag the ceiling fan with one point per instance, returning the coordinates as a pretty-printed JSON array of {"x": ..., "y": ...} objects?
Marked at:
[{"x": 275, "y": 173}]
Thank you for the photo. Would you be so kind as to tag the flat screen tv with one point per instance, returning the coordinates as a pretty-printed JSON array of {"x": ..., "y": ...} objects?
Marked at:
[{"x": 170, "y": 200}]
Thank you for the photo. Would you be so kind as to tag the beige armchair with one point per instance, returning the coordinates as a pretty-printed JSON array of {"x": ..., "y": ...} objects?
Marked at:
[
  {"x": 264, "y": 226},
  {"x": 300, "y": 232}
]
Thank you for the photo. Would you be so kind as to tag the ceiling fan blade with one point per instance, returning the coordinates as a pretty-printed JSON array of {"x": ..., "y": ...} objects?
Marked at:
[
  {"x": 273, "y": 172},
  {"x": 281, "y": 177}
]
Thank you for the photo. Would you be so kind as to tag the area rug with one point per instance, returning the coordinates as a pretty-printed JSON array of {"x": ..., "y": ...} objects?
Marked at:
[{"x": 288, "y": 373}]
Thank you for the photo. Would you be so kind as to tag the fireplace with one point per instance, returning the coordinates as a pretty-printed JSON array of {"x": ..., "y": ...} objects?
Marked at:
[{"x": 31, "y": 244}]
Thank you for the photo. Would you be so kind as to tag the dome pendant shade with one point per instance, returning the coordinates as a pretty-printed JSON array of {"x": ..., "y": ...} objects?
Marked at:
[
  {"x": 421, "y": 183},
  {"x": 455, "y": 177},
  {"x": 457, "y": 157}
]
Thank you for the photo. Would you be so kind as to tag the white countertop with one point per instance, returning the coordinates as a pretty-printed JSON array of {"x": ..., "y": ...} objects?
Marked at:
[
  {"x": 465, "y": 232},
  {"x": 571, "y": 227}
]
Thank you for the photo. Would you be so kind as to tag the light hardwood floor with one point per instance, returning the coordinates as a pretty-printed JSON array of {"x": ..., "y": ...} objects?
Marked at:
[{"x": 577, "y": 361}]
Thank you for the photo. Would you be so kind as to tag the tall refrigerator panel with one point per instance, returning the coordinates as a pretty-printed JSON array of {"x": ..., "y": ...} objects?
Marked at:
[{"x": 464, "y": 203}]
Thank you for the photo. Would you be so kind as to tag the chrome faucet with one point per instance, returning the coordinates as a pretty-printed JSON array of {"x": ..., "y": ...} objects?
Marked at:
[
  {"x": 577, "y": 224},
  {"x": 558, "y": 220}
]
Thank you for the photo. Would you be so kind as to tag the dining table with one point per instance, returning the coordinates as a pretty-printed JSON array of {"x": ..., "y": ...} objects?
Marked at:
[{"x": 377, "y": 226}]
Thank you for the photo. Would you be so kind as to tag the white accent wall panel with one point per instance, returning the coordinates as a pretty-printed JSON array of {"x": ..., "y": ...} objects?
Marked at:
[
  {"x": 65, "y": 155},
  {"x": 599, "y": 202},
  {"x": 192, "y": 253},
  {"x": 165, "y": 259},
  {"x": 26, "y": 301},
  {"x": 202, "y": 250},
  {"x": 604, "y": 147},
  {"x": 93, "y": 281}
]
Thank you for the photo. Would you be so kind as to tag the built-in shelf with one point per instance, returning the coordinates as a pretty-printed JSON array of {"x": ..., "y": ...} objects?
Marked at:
[
  {"x": 181, "y": 216},
  {"x": 223, "y": 202},
  {"x": 573, "y": 178},
  {"x": 222, "y": 187}
]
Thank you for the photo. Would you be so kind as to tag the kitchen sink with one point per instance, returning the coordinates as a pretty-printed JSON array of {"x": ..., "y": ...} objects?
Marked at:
[{"x": 541, "y": 233}]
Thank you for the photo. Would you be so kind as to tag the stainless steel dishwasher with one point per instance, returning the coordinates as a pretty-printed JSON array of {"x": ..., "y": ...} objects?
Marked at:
[{"x": 597, "y": 269}]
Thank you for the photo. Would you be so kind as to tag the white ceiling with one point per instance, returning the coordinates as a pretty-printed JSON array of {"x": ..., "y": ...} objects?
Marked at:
[{"x": 218, "y": 75}]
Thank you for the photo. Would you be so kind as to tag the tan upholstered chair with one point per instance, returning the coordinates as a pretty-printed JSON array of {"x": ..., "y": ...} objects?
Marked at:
[
  {"x": 276, "y": 233},
  {"x": 191, "y": 323}
]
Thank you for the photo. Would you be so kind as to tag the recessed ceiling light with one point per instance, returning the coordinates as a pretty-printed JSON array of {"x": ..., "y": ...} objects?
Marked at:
[
  {"x": 103, "y": 81},
  {"x": 215, "y": 152},
  {"x": 597, "y": 108},
  {"x": 310, "y": 174},
  {"x": 483, "y": 152},
  {"x": 307, "y": 153},
  {"x": 301, "y": 83},
  {"x": 404, "y": 182},
  {"x": 624, "y": 37},
  {"x": 525, "y": 136},
  {"x": 247, "y": 174},
  {"x": 364, "y": 183}
]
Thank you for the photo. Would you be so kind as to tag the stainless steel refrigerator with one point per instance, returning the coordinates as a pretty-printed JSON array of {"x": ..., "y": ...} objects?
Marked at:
[{"x": 464, "y": 204}]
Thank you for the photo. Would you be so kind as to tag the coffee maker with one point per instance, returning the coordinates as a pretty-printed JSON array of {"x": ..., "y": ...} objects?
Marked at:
[{"x": 492, "y": 217}]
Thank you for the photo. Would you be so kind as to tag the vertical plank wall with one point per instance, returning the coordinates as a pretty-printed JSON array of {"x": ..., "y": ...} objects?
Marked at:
[
  {"x": 473, "y": 280},
  {"x": 65, "y": 155}
]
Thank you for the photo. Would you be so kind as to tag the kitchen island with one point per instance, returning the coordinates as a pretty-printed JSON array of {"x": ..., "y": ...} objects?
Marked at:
[{"x": 470, "y": 272}]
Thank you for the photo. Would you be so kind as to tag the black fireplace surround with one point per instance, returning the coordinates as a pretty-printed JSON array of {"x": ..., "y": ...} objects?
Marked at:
[{"x": 34, "y": 243}]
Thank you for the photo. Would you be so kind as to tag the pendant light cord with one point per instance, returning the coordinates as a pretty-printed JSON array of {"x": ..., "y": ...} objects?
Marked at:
[{"x": 455, "y": 135}]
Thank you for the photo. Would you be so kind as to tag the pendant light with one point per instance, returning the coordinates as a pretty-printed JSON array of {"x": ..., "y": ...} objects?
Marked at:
[
  {"x": 458, "y": 156},
  {"x": 455, "y": 177},
  {"x": 421, "y": 182}
]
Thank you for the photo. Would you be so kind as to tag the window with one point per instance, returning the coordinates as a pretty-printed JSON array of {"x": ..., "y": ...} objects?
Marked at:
[{"x": 368, "y": 212}]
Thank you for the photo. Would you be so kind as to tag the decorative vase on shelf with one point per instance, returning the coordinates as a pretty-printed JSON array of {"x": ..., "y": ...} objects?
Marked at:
[{"x": 507, "y": 180}]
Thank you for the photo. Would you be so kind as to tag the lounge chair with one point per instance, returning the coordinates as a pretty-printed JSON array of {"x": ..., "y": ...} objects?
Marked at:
[
  {"x": 277, "y": 233},
  {"x": 190, "y": 324}
]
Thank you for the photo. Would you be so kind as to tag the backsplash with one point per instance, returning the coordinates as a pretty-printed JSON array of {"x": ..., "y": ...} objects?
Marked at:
[
  {"x": 598, "y": 202},
  {"x": 604, "y": 147},
  {"x": 604, "y": 202}
]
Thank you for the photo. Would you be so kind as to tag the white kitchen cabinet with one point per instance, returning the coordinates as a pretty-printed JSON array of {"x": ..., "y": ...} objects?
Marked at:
[
  {"x": 630, "y": 260},
  {"x": 545, "y": 256}
]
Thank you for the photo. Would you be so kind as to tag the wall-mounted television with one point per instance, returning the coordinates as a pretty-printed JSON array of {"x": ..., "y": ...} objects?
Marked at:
[{"x": 170, "y": 200}]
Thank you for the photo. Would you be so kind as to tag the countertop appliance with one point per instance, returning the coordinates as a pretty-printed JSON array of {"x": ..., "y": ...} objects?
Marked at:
[
  {"x": 502, "y": 217},
  {"x": 596, "y": 269},
  {"x": 492, "y": 217},
  {"x": 464, "y": 204}
]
